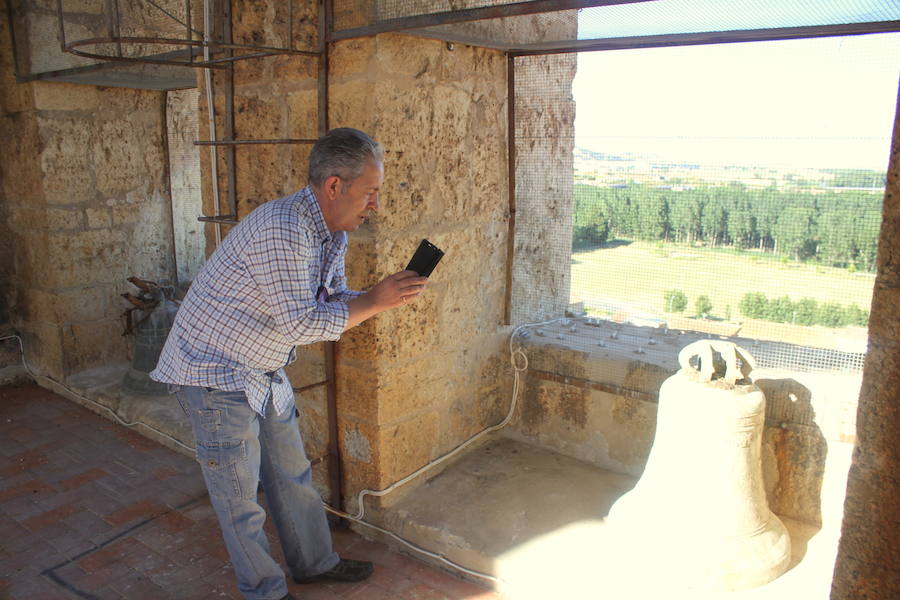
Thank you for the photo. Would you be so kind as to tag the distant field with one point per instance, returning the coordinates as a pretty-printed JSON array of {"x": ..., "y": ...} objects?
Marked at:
[{"x": 638, "y": 273}]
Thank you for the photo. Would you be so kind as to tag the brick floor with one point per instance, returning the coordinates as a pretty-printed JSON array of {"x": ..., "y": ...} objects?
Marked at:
[{"x": 91, "y": 510}]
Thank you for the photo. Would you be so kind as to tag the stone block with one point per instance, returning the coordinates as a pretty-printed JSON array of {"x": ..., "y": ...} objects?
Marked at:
[
  {"x": 66, "y": 159},
  {"x": 296, "y": 172},
  {"x": 401, "y": 55},
  {"x": 258, "y": 115},
  {"x": 20, "y": 171},
  {"x": 295, "y": 69},
  {"x": 407, "y": 446},
  {"x": 44, "y": 349},
  {"x": 353, "y": 58},
  {"x": 98, "y": 218},
  {"x": 128, "y": 155},
  {"x": 93, "y": 344},
  {"x": 65, "y": 96},
  {"x": 302, "y": 120},
  {"x": 266, "y": 182},
  {"x": 350, "y": 104},
  {"x": 793, "y": 459},
  {"x": 309, "y": 367},
  {"x": 358, "y": 392},
  {"x": 51, "y": 219}
]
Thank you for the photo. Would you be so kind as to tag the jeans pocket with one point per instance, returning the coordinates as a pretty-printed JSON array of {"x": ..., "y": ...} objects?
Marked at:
[{"x": 225, "y": 468}]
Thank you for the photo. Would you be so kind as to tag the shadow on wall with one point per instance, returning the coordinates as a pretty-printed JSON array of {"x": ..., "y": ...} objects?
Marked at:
[{"x": 794, "y": 451}]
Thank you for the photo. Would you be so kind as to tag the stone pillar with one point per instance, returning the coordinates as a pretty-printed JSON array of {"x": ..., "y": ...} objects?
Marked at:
[
  {"x": 868, "y": 563},
  {"x": 416, "y": 381}
]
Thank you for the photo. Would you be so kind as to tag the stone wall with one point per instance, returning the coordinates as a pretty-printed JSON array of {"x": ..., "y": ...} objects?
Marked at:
[
  {"x": 85, "y": 193},
  {"x": 868, "y": 565}
]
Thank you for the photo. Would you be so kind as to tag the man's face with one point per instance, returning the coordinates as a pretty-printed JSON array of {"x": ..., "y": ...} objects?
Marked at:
[{"x": 355, "y": 199}]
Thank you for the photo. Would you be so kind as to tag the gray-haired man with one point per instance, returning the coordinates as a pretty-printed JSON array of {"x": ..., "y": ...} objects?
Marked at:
[{"x": 276, "y": 281}]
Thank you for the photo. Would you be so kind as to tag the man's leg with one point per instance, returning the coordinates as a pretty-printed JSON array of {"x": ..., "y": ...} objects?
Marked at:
[
  {"x": 226, "y": 430},
  {"x": 294, "y": 503}
]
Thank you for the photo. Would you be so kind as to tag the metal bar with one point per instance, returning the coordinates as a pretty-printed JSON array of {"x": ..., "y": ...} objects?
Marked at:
[
  {"x": 62, "y": 26},
  {"x": 230, "y": 158},
  {"x": 190, "y": 33},
  {"x": 141, "y": 59},
  {"x": 263, "y": 50},
  {"x": 311, "y": 386},
  {"x": 290, "y": 40},
  {"x": 511, "y": 174},
  {"x": 10, "y": 16},
  {"x": 473, "y": 14},
  {"x": 241, "y": 142},
  {"x": 710, "y": 37},
  {"x": 117, "y": 28},
  {"x": 325, "y": 26},
  {"x": 226, "y": 219},
  {"x": 334, "y": 452}
]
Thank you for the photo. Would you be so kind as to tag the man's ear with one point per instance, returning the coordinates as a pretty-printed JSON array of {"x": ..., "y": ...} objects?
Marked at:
[{"x": 331, "y": 186}]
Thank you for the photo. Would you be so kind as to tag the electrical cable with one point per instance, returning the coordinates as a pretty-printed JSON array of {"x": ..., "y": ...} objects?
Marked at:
[{"x": 514, "y": 356}]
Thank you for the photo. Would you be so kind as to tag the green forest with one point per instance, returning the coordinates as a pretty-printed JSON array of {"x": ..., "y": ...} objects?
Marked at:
[{"x": 834, "y": 227}]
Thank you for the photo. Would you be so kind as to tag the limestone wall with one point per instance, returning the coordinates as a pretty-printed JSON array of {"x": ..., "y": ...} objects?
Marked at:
[
  {"x": 85, "y": 192},
  {"x": 868, "y": 565}
]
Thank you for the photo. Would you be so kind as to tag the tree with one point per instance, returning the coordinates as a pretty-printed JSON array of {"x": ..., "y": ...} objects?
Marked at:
[
  {"x": 753, "y": 305},
  {"x": 675, "y": 301},
  {"x": 805, "y": 311},
  {"x": 703, "y": 305}
]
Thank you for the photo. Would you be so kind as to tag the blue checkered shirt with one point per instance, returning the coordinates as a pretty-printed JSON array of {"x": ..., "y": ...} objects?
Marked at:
[{"x": 276, "y": 281}]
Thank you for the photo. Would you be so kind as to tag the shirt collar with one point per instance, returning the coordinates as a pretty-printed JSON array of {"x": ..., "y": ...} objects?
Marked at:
[{"x": 308, "y": 198}]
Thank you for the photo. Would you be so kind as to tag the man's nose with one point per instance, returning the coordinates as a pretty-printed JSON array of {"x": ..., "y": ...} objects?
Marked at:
[{"x": 373, "y": 203}]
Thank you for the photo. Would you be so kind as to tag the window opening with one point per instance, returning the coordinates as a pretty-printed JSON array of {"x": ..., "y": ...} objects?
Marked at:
[{"x": 735, "y": 190}]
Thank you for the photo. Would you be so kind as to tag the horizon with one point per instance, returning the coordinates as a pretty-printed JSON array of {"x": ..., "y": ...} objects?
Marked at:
[{"x": 812, "y": 103}]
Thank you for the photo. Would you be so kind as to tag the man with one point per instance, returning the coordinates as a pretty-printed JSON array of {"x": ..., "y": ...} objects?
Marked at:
[{"x": 276, "y": 281}]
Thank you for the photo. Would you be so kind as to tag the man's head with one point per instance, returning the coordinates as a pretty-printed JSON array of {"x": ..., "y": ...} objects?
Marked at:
[{"x": 346, "y": 172}]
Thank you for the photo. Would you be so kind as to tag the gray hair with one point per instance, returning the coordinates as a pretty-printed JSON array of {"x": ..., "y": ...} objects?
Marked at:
[{"x": 343, "y": 152}]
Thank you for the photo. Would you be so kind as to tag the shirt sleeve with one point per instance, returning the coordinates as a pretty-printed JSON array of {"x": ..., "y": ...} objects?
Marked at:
[
  {"x": 281, "y": 261},
  {"x": 339, "y": 284}
]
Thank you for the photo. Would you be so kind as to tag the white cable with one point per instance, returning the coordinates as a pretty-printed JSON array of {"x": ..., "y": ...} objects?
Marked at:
[{"x": 115, "y": 416}]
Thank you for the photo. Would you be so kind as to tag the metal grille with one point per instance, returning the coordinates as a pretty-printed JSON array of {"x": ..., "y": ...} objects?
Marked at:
[{"x": 675, "y": 206}]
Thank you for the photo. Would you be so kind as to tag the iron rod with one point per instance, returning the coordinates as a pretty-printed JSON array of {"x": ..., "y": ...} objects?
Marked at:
[
  {"x": 511, "y": 182},
  {"x": 242, "y": 142},
  {"x": 705, "y": 38},
  {"x": 473, "y": 14}
]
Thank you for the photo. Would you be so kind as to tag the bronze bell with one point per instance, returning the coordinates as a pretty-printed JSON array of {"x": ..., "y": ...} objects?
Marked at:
[{"x": 698, "y": 516}]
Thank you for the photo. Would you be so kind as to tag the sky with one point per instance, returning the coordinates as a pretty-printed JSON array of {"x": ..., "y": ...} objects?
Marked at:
[{"x": 825, "y": 102}]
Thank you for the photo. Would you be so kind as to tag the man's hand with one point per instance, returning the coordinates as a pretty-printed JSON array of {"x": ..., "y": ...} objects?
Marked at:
[{"x": 392, "y": 291}]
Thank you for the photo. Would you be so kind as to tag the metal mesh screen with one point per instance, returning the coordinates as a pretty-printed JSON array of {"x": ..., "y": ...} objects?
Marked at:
[{"x": 725, "y": 190}]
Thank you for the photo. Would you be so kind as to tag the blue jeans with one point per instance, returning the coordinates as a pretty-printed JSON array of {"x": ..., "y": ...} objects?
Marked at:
[{"x": 236, "y": 448}]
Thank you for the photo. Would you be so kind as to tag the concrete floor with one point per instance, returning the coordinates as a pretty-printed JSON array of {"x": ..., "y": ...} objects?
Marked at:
[{"x": 530, "y": 518}]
